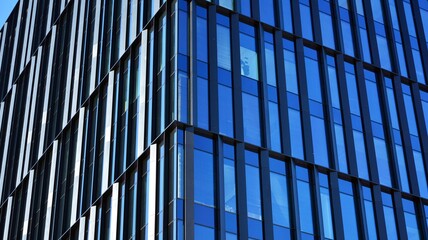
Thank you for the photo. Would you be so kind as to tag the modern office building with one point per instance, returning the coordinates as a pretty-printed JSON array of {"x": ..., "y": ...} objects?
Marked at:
[{"x": 199, "y": 120}]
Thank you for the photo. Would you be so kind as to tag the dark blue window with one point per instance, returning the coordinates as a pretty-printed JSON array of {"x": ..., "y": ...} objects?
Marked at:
[
  {"x": 390, "y": 221},
  {"x": 306, "y": 19},
  {"x": 204, "y": 171},
  {"x": 369, "y": 212},
  {"x": 304, "y": 201},
  {"x": 349, "y": 216},
  {"x": 267, "y": 13},
  {"x": 287, "y": 17}
]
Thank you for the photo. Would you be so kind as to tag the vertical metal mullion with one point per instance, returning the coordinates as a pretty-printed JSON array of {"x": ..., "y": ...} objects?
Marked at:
[
  {"x": 346, "y": 117},
  {"x": 74, "y": 106},
  {"x": 378, "y": 212},
  {"x": 316, "y": 24},
  {"x": 304, "y": 101},
  {"x": 193, "y": 64},
  {"x": 3, "y": 40},
  {"x": 295, "y": 9},
  {"x": 371, "y": 34},
  {"x": 282, "y": 95},
  {"x": 25, "y": 121},
  {"x": 29, "y": 136},
  {"x": 266, "y": 195},
  {"x": 47, "y": 93},
  {"x": 108, "y": 133},
  {"x": 336, "y": 211},
  {"x": 241, "y": 191},
  {"x": 26, "y": 32},
  {"x": 318, "y": 214},
  {"x": 8, "y": 218},
  {"x": 212, "y": 69},
  {"x": 294, "y": 204},
  {"x": 143, "y": 87},
  {"x": 123, "y": 27},
  {"x": 263, "y": 90},
  {"x": 236, "y": 78},
  {"x": 95, "y": 44},
  {"x": 151, "y": 225},
  {"x": 28, "y": 206},
  {"x": 6, "y": 160},
  {"x": 49, "y": 17},
  {"x": 405, "y": 135},
  {"x": 32, "y": 27},
  {"x": 220, "y": 196},
  {"x": 399, "y": 213},
  {"x": 70, "y": 63},
  {"x": 366, "y": 122},
  {"x": 51, "y": 191},
  {"x": 77, "y": 168},
  {"x": 15, "y": 46},
  {"x": 189, "y": 185}
]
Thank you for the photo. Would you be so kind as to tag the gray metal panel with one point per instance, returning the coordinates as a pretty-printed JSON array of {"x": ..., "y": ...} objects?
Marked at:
[
  {"x": 142, "y": 99},
  {"x": 7, "y": 138},
  {"x": 49, "y": 19},
  {"x": 70, "y": 64},
  {"x": 114, "y": 211},
  {"x": 15, "y": 45},
  {"x": 26, "y": 33},
  {"x": 82, "y": 224},
  {"x": 25, "y": 124},
  {"x": 51, "y": 191},
  {"x": 95, "y": 46},
  {"x": 3, "y": 40},
  {"x": 8, "y": 215},
  {"x": 107, "y": 137},
  {"x": 33, "y": 110},
  {"x": 30, "y": 38},
  {"x": 123, "y": 22},
  {"x": 92, "y": 223},
  {"x": 78, "y": 57},
  {"x": 47, "y": 93},
  {"x": 28, "y": 206},
  {"x": 151, "y": 224},
  {"x": 77, "y": 164},
  {"x": 134, "y": 19}
]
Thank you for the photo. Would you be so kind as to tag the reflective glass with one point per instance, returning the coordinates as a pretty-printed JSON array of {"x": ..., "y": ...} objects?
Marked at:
[
  {"x": 279, "y": 196},
  {"x": 287, "y": 17},
  {"x": 254, "y": 204},
  {"x": 251, "y": 115},
  {"x": 327, "y": 31},
  {"x": 204, "y": 177},
  {"x": 326, "y": 208},
  {"x": 349, "y": 216},
  {"x": 249, "y": 58},
  {"x": 267, "y": 13},
  {"x": 223, "y": 47},
  {"x": 306, "y": 20}
]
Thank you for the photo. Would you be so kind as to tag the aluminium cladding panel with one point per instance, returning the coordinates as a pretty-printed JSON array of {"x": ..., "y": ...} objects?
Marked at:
[
  {"x": 7, "y": 138},
  {"x": 26, "y": 33},
  {"x": 107, "y": 138},
  {"x": 28, "y": 206},
  {"x": 95, "y": 46},
  {"x": 29, "y": 137},
  {"x": 2, "y": 44},
  {"x": 151, "y": 225},
  {"x": 77, "y": 163},
  {"x": 51, "y": 191},
  {"x": 82, "y": 223},
  {"x": 142, "y": 99},
  {"x": 8, "y": 216},
  {"x": 25, "y": 123},
  {"x": 134, "y": 19},
  {"x": 114, "y": 211},
  {"x": 70, "y": 64},
  {"x": 92, "y": 223},
  {"x": 123, "y": 23},
  {"x": 74, "y": 100},
  {"x": 15, "y": 45},
  {"x": 30, "y": 38},
  {"x": 49, "y": 17},
  {"x": 47, "y": 93}
]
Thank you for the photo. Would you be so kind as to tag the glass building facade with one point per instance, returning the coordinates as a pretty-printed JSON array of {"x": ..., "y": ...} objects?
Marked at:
[{"x": 221, "y": 119}]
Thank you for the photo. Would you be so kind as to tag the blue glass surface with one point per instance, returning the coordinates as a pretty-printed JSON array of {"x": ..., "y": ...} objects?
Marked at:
[
  {"x": 327, "y": 32},
  {"x": 204, "y": 233},
  {"x": 225, "y": 113},
  {"x": 305, "y": 207},
  {"x": 275, "y": 133},
  {"x": 279, "y": 196},
  {"x": 296, "y": 138},
  {"x": 349, "y": 216},
  {"x": 204, "y": 178},
  {"x": 287, "y": 17},
  {"x": 250, "y": 105},
  {"x": 254, "y": 204},
  {"x": 267, "y": 13},
  {"x": 202, "y": 103},
  {"x": 319, "y": 141},
  {"x": 306, "y": 20}
]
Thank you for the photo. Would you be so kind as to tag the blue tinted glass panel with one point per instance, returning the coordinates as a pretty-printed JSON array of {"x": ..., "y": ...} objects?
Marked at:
[
  {"x": 270, "y": 64},
  {"x": 229, "y": 185},
  {"x": 254, "y": 204},
  {"x": 420, "y": 173},
  {"x": 340, "y": 148},
  {"x": 290, "y": 72},
  {"x": 249, "y": 58},
  {"x": 305, "y": 207},
  {"x": 275, "y": 137},
  {"x": 391, "y": 229},
  {"x": 327, "y": 30},
  {"x": 313, "y": 79},
  {"x": 223, "y": 47},
  {"x": 352, "y": 94},
  {"x": 225, "y": 106},
  {"x": 204, "y": 178},
  {"x": 373, "y": 98},
  {"x": 296, "y": 134},
  {"x": 382, "y": 161},
  {"x": 255, "y": 229},
  {"x": 246, "y": 7},
  {"x": 279, "y": 196},
  {"x": 287, "y": 17},
  {"x": 202, "y": 104},
  {"x": 306, "y": 20},
  {"x": 370, "y": 220},
  {"x": 319, "y": 141},
  {"x": 420, "y": 76},
  {"x": 382, "y": 45},
  {"x": 402, "y": 168},
  {"x": 365, "y": 45},
  {"x": 348, "y": 43},
  {"x": 202, "y": 37},
  {"x": 227, "y": 4},
  {"x": 326, "y": 213},
  {"x": 204, "y": 233},
  {"x": 360, "y": 153},
  {"x": 411, "y": 120},
  {"x": 349, "y": 216},
  {"x": 250, "y": 105},
  {"x": 267, "y": 13}
]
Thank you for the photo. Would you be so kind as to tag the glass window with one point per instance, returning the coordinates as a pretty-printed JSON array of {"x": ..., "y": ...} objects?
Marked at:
[
  {"x": 249, "y": 57},
  {"x": 225, "y": 100},
  {"x": 306, "y": 19},
  {"x": 327, "y": 30},
  {"x": 250, "y": 105},
  {"x": 411, "y": 219},
  {"x": 349, "y": 216},
  {"x": 254, "y": 203},
  {"x": 202, "y": 232},
  {"x": 203, "y": 171},
  {"x": 424, "y": 98},
  {"x": 319, "y": 141},
  {"x": 287, "y": 17},
  {"x": 296, "y": 138},
  {"x": 223, "y": 47},
  {"x": 229, "y": 178},
  {"x": 246, "y": 7},
  {"x": 369, "y": 214},
  {"x": 348, "y": 42},
  {"x": 388, "y": 211},
  {"x": 267, "y": 13},
  {"x": 279, "y": 193},
  {"x": 304, "y": 197},
  {"x": 326, "y": 206},
  {"x": 227, "y": 4},
  {"x": 202, "y": 103}
]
